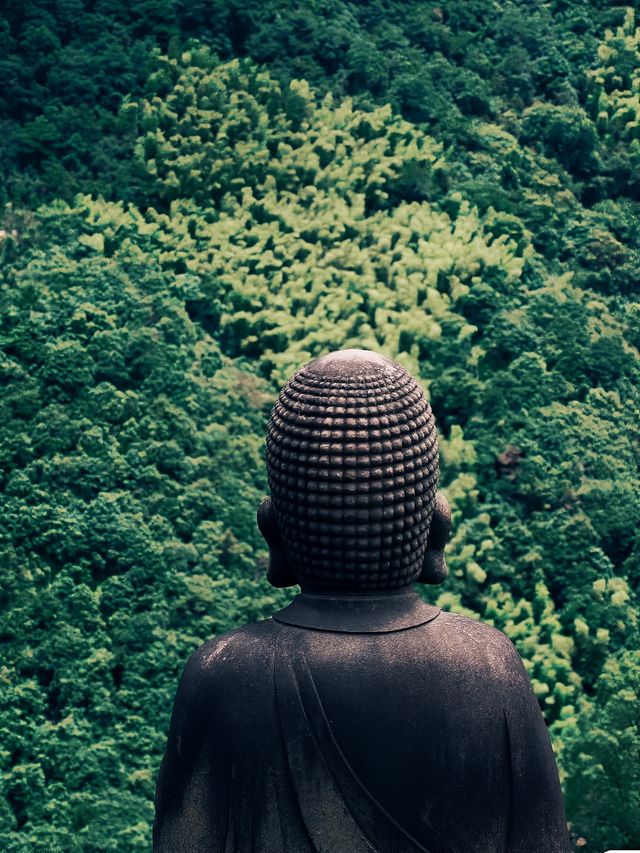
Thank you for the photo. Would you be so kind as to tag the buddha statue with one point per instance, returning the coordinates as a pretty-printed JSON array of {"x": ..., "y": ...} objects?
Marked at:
[{"x": 358, "y": 718}]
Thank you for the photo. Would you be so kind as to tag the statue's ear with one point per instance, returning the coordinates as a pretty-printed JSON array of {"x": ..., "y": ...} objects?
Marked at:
[
  {"x": 434, "y": 566},
  {"x": 279, "y": 573}
]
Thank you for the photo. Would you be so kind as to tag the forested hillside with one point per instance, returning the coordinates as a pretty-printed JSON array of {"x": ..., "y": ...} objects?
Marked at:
[{"x": 199, "y": 197}]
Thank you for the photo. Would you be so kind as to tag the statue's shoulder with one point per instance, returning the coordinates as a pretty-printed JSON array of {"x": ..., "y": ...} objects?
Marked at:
[
  {"x": 479, "y": 645},
  {"x": 470, "y": 628},
  {"x": 243, "y": 649}
]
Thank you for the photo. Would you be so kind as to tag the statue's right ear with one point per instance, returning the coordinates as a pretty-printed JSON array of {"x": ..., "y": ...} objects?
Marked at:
[
  {"x": 434, "y": 566},
  {"x": 279, "y": 573}
]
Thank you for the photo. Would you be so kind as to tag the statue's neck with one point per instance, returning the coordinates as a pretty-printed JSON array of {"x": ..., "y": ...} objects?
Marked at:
[{"x": 358, "y": 613}]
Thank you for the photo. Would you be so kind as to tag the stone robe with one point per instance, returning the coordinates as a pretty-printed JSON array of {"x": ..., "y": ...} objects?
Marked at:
[{"x": 345, "y": 725}]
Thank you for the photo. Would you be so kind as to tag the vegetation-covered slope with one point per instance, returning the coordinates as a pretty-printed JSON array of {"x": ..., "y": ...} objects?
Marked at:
[{"x": 471, "y": 210}]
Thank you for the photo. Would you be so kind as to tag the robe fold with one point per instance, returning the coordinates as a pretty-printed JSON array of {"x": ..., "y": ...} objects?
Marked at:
[{"x": 376, "y": 723}]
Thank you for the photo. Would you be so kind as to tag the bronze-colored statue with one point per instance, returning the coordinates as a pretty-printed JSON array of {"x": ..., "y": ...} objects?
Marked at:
[{"x": 359, "y": 718}]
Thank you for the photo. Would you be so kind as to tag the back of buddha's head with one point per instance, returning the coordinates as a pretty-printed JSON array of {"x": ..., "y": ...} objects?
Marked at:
[{"x": 352, "y": 464}]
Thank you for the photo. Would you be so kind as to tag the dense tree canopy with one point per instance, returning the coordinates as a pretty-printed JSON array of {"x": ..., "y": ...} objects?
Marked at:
[{"x": 455, "y": 186}]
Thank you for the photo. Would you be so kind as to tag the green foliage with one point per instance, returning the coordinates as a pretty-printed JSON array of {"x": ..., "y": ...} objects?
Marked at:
[
  {"x": 614, "y": 86},
  {"x": 327, "y": 246},
  {"x": 564, "y": 132},
  {"x": 603, "y": 755},
  {"x": 131, "y": 473}
]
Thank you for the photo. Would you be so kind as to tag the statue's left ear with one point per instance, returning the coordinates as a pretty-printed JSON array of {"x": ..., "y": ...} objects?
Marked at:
[
  {"x": 434, "y": 566},
  {"x": 279, "y": 573}
]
